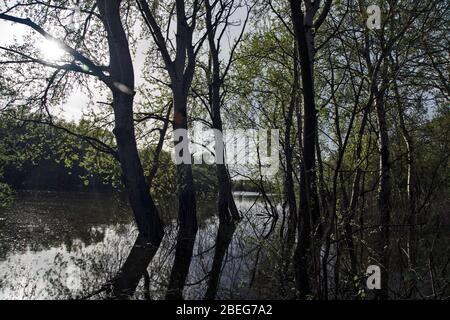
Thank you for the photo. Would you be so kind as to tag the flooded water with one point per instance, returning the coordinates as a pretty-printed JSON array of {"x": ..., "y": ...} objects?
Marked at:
[{"x": 67, "y": 245}]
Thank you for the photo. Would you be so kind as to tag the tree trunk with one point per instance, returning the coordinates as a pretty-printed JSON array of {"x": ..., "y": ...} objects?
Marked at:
[
  {"x": 227, "y": 210},
  {"x": 384, "y": 192},
  {"x": 411, "y": 185},
  {"x": 354, "y": 196},
  {"x": 145, "y": 212},
  {"x": 187, "y": 211},
  {"x": 224, "y": 237},
  {"x": 288, "y": 151},
  {"x": 411, "y": 191},
  {"x": 308, "y": 210}
]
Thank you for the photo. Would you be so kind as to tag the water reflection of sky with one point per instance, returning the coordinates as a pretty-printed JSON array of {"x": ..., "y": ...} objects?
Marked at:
[
  {"x": 27, "y": 274},
  {"x": 55, "y": 245}
]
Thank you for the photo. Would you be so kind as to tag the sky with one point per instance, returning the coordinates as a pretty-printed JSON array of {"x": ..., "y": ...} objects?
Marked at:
[{"x": 77, "y": 102}]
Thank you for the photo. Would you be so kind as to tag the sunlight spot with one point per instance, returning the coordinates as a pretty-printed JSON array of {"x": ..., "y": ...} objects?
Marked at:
[{"x": 50, "y": 50}]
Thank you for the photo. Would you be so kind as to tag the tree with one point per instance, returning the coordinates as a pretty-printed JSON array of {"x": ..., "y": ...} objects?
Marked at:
[
  {"x": 216, "y": 75},
  {"x": 181, "y": 72},
  {"x": 308, "y": 225},
  {"x": 120, "y": 81}
]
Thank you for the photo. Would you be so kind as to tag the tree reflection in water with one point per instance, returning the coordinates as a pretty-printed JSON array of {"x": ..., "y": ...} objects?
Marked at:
[
  {"x": 85, "y": 257},
  {"x": 67, "y": 246}
]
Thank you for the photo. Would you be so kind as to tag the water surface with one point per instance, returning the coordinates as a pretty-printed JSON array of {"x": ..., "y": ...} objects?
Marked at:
[{"x": 66, "y": 245}]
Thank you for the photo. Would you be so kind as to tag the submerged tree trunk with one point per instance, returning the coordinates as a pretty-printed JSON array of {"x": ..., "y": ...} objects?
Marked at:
[
  {"x": 181, "y": 72},
  {"x": 187, "y": 211},
  {"x": 228, "y": 213},
  {"x": 134, "y": 268},
  {"x": 145, "y": 212},
  {"x": 227, "y": 210},
  {"x": 223, "y": 240}
]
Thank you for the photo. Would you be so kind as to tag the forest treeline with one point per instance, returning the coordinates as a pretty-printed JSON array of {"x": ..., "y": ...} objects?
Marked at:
[
  {"x": 40, "y": 157},
  {"x": 363, "y": 113}
]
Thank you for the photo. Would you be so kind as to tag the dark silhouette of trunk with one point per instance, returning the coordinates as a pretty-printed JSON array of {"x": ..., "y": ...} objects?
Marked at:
[
  {"x": 145, "y": 212},
  {"x": 354, "y": 196},
  {"x": 227, "y": 210},
  {"x": 331, "y": 213},
  {"x": 181, "y": 72},
  {"x": 288, "y": 151},
  {"x": 134, "y": 268},
  {"x": 377, "y": 91},
  {"x": 226, "y": 205},
  {"x": 309, "y": 207},
  {"x": 224, "y": 237},
  {"x": 187, "y": 212}
]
